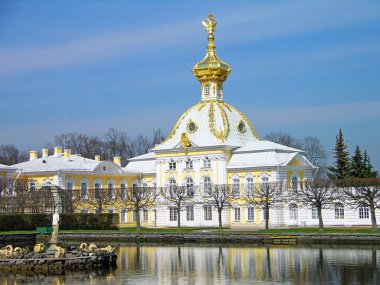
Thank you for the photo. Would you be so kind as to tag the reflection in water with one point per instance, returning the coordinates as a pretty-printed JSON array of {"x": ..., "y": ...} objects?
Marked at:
[{"x": 189, "y": 264}]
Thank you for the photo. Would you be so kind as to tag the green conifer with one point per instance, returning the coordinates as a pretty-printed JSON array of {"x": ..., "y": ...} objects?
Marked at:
[
  {"x": 368, "y": 168},
  {"x": 358, "y": 168},
  {"x": 341, "y": 167}
]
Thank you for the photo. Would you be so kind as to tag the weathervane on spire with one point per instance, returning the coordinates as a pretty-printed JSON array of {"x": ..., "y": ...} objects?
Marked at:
[{"x": 210, "y": 26}]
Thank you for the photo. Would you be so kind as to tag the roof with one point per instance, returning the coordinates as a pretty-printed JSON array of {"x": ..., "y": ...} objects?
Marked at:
[
  {"x": 142, "y": 164},
  {"x": 265, "y": 154},
  {"x": 254, "y": 146},
  {"x": 73, "y": 163},
  {"x": 216, "y": 124}
]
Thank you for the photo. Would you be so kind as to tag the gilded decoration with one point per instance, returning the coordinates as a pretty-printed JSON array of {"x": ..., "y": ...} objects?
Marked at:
[
  {"x": 219, "y": 134},
  {"x": 185, "y": 141},
  {"x": 191, "y": 126}
]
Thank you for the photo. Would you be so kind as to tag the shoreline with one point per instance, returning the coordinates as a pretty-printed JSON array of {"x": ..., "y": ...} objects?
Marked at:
[{"x": 198, "y": 238}]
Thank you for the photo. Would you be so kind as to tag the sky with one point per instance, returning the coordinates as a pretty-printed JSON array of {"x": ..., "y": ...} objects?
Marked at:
[{"x": 302, "y": 67}]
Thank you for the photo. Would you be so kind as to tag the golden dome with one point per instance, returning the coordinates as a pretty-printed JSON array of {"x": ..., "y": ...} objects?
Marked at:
[{"x": 211, "y": 68}]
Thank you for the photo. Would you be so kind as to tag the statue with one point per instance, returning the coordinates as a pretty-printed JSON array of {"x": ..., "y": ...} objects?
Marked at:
[
  {"x": 210, "y": 26},
  {"x": 55, "y": 224},
  {"x": 185, "y": 141}
]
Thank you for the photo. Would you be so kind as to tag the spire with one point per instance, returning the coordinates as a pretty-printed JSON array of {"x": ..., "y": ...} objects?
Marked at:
[{"x": 211, "y": 72}]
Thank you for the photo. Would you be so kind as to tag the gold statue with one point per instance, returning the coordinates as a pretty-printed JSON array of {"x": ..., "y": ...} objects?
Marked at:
[
  {"x": 185, "y": 141},
  {"x": 210, "y": 26}
]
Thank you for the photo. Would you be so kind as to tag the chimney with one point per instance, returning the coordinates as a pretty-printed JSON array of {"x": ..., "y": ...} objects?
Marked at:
[
  {"x": 33, "y": 155},
  {"x": 45, "y": 152},
  {"x": 97, "y": 157},
  {"x": 67, "y": 153},
  {"x": 57, "y": 151},
  {"x": 117, "y": 160}
]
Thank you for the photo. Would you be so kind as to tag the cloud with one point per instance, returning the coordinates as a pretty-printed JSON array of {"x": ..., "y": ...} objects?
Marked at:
[
  {"x": 249, "y": 22},
  {"x": 312, "y": 115}
]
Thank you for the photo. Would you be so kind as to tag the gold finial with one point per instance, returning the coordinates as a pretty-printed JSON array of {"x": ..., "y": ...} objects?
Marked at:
[{"x": 210, "y": 26}]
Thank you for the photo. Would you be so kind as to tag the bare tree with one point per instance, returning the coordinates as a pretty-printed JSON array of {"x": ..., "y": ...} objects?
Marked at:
[
  {"x": 284, "y": 139},
  {"x": 266, "y": 196},
  {"x": 97, "y": 198},
  {"x": 137, "y": 198},
  {"x": 221, "y": 197},
  {"x": 315, "y": 152},
  {"x": 362, "y": 192},
  {"x": 318, "y": 194},
  {"x": 177, "y": 197},
  {"x": 10, "y": 154}
]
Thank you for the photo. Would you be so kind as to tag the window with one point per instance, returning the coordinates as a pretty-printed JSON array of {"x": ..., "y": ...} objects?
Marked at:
[
  {"x": 111, "y": 211},
  {"x": 172, "y": 165},
  {"x": 172, "y": 185},
  {"x": 207, "y": 186},
  {"x": 363, "y": 213},
  {"x": 189, "y": 187},
  {"x": 207, "y": 89},
  {"x": 249, "y": 186},
  {"x": 145, "y": 215},
  {"x": 236, "y": 187},
  {"x": 83, "y": 191},
  {"x": 264, "y": 184},
  {"x": 134, "y": 216},
  {"x": 237, "y": 214},
  {"x": 265, "y": 214},
  {"x": 293, "y": 212},
  {"x": 294, "y": 184},
  {"x": 339, "y": 211},
  {"x": 251, "y": 214},
  {"x": 314, "y": 213},
  {"x": 98, "y": 192},
  {"x": 111, "y": 192},
  {"x": 207, "y": 213},
  {"x": 69, "y": 186},
  {"x": 190, "y": 213},
  {"x": 123, "y": 191},
  {"x": 173, "y": 214},
  {"x": 207, "y": 162},
  {"x": 123, "y": 215},
  {"x": 84, "y": 211},
  {"x": 189, "y": 163},
  {"x": 154, "y": 215}
]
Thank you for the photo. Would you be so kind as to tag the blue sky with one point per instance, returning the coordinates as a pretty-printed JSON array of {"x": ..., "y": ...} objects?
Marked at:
[{"x": 303, "y": 67}]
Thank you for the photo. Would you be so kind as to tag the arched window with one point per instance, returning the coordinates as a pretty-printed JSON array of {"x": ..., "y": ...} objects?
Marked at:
[
  {"x": 189, "y": 163},
  {"x": 249, "y": 186},
  {"x": 189, "y": 184},
  {"x": 363, "y": 212},
  {"x": 172, "y": 184},
  {"x": 207, "y": 185},
  {"x": 84, "y": 189},
  {"x": 294, "y": 184},
  {"x": 339, "y": 211},
  {"x": 110, "y": 188},
  {"x": 293, "y": 212},
  {"x": 235, "y": 187},
  {"x": 207, "y": 162},
  {"x": 264, "y": 184}
]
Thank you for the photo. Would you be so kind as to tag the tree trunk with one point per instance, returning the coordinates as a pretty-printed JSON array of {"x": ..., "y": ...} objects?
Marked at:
[
  {"x": 321, "y": 226},
  {"x": 138, "y": 224},
  {"x": 373, "y": 216},
  {"x": 179, "y": 217},
  {"x": 220, "y": 218},
  {"x": 266, "y": 215}
]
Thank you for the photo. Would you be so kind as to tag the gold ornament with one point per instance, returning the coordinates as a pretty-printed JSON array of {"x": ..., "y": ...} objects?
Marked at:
[
  {"x": 191, "y": 126},
  {"x": 185, "y": 141}
]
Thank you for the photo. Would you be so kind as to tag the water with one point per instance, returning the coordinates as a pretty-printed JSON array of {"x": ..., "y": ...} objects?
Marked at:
[{"x": 203, "y": 264}]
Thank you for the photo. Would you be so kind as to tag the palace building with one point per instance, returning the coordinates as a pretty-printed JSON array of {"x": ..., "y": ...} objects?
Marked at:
[{"x": 212, "y": 143}]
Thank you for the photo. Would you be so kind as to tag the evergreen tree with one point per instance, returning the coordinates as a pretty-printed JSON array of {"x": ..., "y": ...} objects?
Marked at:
[
  {"x": 368, "y": 168},
  {"x": 341, "y": 166},
  {"x": 357, "y": 164}
]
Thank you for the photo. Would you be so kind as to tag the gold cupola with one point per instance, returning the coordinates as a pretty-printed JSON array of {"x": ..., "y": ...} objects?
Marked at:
[{"x": 211, "y": 71}]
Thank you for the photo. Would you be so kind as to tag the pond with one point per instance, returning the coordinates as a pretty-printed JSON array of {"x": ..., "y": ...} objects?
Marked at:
[{"x": 223, "y": 264}]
